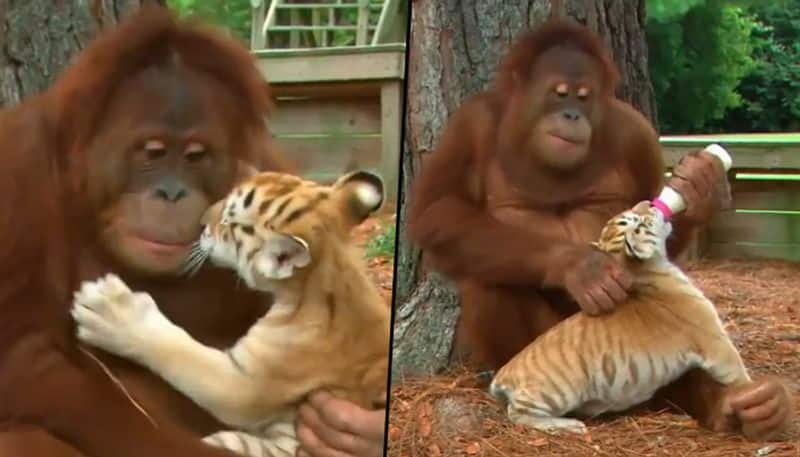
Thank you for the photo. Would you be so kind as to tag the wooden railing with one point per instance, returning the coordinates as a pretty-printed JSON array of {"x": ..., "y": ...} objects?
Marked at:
[
  {"x": 324, "y": 23},
  {"x": 765, "y": 185}
]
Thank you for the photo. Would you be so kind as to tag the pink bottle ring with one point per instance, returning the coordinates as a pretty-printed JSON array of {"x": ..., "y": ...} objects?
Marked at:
[{"x": 661, "y": 206}]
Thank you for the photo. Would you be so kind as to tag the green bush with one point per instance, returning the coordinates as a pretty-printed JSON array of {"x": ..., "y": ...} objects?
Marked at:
[
  {"x": 382, "y": 245},
  {"x": 699, "y": 51},
  {"x": 771, "y": 91},
  {"x": 234, "y": 15}
]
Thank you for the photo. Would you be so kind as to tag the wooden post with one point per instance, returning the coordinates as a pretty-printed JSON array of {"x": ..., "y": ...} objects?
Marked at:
[
  {"x": 294, "y": 35},
  {"x": 269, "y": 21},
  {"x": 316, "y": 20},
  {"x": 391, "y": 126},
  {"x": 385, "y": 22},
  {"x": 363, "y": 23},
  {"x": 259, "y": 14}
]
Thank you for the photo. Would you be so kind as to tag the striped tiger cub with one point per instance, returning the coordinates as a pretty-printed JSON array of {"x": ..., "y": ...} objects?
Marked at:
[
  {"x": 328, "y": 326},
  {"x": 586, "y": 366}
]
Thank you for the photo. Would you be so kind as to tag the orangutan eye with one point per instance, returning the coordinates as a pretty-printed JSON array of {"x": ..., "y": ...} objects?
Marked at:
[
  {"x": 562, "y": 90},
  {"x": 195, "y": 152},
  {"x": 583, "y": 93},
  {"x": 155, "y": 149}
]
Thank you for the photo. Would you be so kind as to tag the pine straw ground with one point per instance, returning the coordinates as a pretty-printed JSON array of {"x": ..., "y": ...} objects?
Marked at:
[{"x": 760, "y": 305}]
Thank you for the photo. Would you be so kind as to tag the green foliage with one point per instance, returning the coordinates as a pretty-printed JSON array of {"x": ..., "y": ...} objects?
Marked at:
[
  {"x": 382, "y": 245},
  {"x": 697, "y": 60},
  {"x": 771, "y": 92},
  {"x": 669, "y": 10},
  {"x": 234, "y": 15}
]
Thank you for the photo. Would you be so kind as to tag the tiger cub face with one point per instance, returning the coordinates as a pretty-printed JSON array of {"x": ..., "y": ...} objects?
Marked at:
[
  {"x": 640, "y": 233},
  {"x": 272, "y": 224}
]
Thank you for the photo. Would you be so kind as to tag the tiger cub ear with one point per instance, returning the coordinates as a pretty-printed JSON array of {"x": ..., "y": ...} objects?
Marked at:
[
  {"x": 280, "y": 254},
  {"x": 362, "y": 194}
]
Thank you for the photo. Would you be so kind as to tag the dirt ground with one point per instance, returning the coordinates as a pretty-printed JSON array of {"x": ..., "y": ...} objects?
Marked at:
[{"x": 760, "y": 305}]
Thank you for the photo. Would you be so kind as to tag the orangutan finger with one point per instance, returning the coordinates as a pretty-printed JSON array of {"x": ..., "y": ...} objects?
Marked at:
[
  {"x": 689, "y": 157},
  {"x": 623, "y": 278},
  {"x": 713, "y": 175},
  {"x": 697, "y": 166},
  {"x": 760, "y": 412},
  {"x": 588, "y": 305},
  {"x": 615, "y": 290},
  {"x": 687, "y": 190},
  {"x": 706, "y": 178},
  {"x": 686, "y": 162},
  {"x": 768, "y": 428},
  {"x": 753, "y": 396},
  {"x": 717, "y": 162},
  {"x": 311, "y": 444},
  {"x": 604, "y": 303}
]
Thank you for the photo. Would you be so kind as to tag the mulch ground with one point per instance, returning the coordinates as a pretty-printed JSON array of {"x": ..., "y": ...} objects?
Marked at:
[
  {"x": 381, "y": 269},
  {"x": 759, "y": 301}
]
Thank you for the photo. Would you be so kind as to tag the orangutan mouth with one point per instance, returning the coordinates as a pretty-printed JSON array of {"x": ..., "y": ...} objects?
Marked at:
[{"x": 565, "y": 139}]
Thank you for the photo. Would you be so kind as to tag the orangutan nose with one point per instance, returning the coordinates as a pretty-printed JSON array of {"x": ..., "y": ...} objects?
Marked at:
[
  {"x": 170, "y": 189},
  {"x": 571, "y": 114}
]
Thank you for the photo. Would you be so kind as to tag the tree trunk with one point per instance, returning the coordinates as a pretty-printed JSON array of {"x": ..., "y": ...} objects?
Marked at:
[
  {"x": 39, "y": 37},
  {"x": 454, "y": 48}
]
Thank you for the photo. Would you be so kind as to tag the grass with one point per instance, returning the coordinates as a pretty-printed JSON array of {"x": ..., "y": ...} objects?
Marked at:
[{"x": 382, "y": 244}]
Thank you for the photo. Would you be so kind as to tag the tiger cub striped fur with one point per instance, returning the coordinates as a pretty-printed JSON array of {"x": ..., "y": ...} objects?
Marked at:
[
  {"x": 586, "y": 366},
  {"x": 328, "y": 326}
]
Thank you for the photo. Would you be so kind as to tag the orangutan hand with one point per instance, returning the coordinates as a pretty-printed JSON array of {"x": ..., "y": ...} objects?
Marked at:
[
  {"x": 597, "y": 282},
  {"x": 763, "y": 408},
  {"x": 700, "y": 179},
  {"x": 331, "y": 427}
]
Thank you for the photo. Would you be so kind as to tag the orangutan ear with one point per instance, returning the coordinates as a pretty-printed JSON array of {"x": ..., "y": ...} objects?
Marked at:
[{"x": 244, "y": 171}]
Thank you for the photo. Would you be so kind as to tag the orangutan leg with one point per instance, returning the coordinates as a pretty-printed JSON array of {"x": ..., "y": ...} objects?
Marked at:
[
  {"x": 29, "y": 441},
  {"x": 498, "y": 322}
]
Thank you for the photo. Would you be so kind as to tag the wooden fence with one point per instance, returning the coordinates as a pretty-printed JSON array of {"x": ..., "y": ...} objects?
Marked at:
[
  {"x": 339, "y": 109},
  {"x": 337, "y": 69},
  {"x": 765, "y": 185}
]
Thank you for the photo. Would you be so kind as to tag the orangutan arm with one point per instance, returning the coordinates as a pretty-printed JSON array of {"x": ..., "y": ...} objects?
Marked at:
[{"x": 646, "y": 161}]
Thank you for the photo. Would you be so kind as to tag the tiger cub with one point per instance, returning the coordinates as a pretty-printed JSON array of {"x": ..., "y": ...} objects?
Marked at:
[
  {"x": 328, "y": 326},
  {"x": 590, "y": 365}
]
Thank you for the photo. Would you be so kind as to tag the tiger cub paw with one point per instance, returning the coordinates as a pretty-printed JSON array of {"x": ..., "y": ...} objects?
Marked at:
[
  {"x": 112, "y": 317},
  {"x": 561, "y": 425},
  {"x": 250, "y": 445},
  {"x": 550, "y": 425}
]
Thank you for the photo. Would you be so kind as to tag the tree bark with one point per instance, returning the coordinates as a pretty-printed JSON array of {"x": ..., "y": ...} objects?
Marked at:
[
  {"x": 454, "y": 49},
  {"x": 39, "y": 37}
]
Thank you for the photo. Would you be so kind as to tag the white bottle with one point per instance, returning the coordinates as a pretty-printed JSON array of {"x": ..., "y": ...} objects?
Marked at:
[{"x": 671, "y": 202}]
